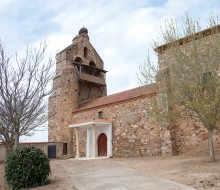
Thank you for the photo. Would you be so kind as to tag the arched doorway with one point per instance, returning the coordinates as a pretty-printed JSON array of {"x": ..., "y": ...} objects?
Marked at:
[{"x": 102, "y": 145}]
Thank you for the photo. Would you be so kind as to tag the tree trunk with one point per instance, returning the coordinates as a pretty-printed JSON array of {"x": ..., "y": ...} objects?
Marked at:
[
  {"x": 16, "y": 139},
  {"x": 171, "y": 119},
  {"x": 174, "y": 146},
  {"x": 7, "y": 150},
  {"x": 210, "y": 144}
]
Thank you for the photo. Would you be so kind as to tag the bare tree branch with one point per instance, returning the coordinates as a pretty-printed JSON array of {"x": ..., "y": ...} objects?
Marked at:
[{"x": 24, "y": 87}]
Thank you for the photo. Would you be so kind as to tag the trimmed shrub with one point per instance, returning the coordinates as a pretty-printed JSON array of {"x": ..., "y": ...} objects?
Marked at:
[{"x": 27, "y": 167}]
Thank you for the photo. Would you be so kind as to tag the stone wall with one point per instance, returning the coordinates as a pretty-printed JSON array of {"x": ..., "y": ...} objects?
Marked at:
[
  {"x": 41, "y": 145},
  {"x": 134, "y": 134},
  {"x": 191, "y": 135},
  {"x": 81, "y": 41},
  {"x": 44, "y": 147},
  {"x": 61, "y": 103}
]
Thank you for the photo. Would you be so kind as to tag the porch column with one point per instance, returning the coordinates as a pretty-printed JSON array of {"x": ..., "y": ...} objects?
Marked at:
[
  {"x": 77, "y": 142},
  {"x": 93, "y": 141}
]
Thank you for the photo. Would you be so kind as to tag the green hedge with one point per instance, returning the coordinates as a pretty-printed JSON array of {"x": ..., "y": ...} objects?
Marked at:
[{"x": 27, "y": 167}]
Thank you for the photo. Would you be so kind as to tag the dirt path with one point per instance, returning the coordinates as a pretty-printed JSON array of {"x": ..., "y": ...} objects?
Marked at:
[
  {"x": 195, "y": 172},
  {"x": 3, "y": 185}
]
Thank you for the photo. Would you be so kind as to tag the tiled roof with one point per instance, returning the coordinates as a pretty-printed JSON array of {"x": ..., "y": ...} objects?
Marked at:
[
  {"x": 94, "y": 120},
  {"x": 97, "y": 120},
  {"x": 120, "y": 97}
]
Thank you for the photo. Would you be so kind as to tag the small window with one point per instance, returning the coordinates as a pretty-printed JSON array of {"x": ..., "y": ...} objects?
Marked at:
[
  {"x": 100, "y": 114},
  {"x": 85, "y": 51},
  {"x": 64, "y": 148}
]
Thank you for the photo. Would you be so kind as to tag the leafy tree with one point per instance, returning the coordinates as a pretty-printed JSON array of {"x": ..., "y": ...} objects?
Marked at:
[
  {"x": 188, "y": 73},
  {"x": 23, "y": 89}
]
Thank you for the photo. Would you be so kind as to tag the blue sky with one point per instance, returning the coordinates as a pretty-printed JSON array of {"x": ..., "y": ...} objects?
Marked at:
[{"x": 120, "y": 30}]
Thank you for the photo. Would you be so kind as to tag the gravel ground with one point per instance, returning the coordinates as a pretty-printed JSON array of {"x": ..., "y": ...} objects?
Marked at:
[{"x": 195, "y": 172}]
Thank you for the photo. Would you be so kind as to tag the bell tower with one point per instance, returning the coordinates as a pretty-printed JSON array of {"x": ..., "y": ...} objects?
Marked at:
[
  {"x": 89, "y": 65},
  {"x": 80, "y": 77}
]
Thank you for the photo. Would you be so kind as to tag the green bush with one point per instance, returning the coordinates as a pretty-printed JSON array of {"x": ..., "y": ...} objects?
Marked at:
[{"x": 27, "y": 167}]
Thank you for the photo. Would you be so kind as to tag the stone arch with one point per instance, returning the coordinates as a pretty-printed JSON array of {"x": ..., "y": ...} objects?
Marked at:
[
  {"x": 92, "y": 63},
  {"x": 93, "y": 71},
  {"x": 78, "y": 60}
]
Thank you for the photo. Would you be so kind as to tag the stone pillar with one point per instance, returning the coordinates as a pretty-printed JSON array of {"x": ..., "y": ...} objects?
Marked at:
[
  {"x": 77, "y": 142},
  {"x": 93, "y": 141},
  {"x": 166, "y": 148}
]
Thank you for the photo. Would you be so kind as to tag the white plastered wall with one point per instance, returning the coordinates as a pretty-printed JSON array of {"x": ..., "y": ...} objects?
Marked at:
[{"x": 107, "y": 130}]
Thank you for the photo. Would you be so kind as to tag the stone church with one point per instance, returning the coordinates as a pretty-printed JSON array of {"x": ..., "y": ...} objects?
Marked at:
[{"x": 91, "y": 124}]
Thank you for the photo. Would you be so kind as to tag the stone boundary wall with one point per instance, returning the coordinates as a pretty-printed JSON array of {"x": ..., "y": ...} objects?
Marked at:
[
  {"x": 44, "y": 147},
  {"x": 192, "y": 138},
  {"x": 41, "y": 145}
]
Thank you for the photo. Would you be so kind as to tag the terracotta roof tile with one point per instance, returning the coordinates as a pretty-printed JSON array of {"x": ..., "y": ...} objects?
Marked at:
[
  {"x": 92, "y": 120},
  {"x": 121, "y": 96}
]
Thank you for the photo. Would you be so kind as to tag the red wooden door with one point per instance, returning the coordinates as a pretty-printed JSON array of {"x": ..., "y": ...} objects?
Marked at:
[{"x": 102, "y": 145}]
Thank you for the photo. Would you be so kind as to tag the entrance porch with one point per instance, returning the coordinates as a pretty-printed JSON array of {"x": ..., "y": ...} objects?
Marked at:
[{"x": 98, "y": 137}]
